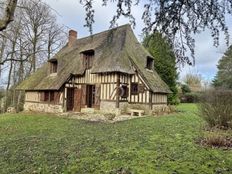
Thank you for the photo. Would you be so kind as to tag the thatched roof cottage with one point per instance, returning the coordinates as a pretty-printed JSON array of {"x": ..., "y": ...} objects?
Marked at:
[{"x": 107, "y": 71}]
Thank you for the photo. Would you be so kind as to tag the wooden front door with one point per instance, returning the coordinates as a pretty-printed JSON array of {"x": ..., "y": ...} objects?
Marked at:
[
  {"x": 70, "y": 99},
  {"x": 77, "y": 99}
]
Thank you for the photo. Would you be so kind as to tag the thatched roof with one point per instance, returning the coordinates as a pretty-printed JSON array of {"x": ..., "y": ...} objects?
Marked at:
[{"x": 116, "y": 50}]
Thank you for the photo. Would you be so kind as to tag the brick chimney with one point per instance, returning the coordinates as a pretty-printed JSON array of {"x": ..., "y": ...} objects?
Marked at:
[{"x": 72, "y": 37}]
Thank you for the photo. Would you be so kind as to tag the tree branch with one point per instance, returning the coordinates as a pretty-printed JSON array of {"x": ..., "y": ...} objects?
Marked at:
[{"x": 8, "y": 14}]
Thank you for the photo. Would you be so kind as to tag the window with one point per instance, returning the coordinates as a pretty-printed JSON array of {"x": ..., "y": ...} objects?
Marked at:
[
  {"x": 47, "y": 96},
  {"x": 149, "y": 64},
  {"x": 134, "y": 89},
  {"x": 53, "y": 66},
  {"x": 124, "y": 91},
  {"x": 52, "y": 96},
  {"x": 88, "y": 58}
]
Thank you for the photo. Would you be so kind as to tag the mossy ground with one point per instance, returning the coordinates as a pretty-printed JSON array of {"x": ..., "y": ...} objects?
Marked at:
[{"x": 156, "y": 145}]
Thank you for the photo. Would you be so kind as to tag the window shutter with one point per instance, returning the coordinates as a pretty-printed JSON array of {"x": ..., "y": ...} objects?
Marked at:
[
  {"x": 91, "y": 61},
  {"x": 97, "y": 96},
  {"x": 56, "y": 97},
  {"x": 87, "y": 62},
  {"x": 42, "y": 96}
]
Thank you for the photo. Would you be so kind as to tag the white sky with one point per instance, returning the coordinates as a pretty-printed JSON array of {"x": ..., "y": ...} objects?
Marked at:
[{"x": 71, "y": 14}]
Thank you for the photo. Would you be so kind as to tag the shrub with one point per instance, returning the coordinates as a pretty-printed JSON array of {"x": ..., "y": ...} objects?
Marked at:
[
  {"x": 173, "y": 99},
  {"x": 215, "y": 108},
  {"x": 109, "y": 116},
  {"x": 215, "y": 139},
  {"x": 190, "y": 98},
  {"x": 185, "y": 89}
]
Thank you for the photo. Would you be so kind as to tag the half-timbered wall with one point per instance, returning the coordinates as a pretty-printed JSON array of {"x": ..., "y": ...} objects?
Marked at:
[
  {"x": 142, "y": 96},
  {"x": 159, "y": 98},
  {"x": 33, "y": 103},
  {"x": 108, "y": 90},
  {"x": 108, "y": 87},
  {"x": 32, "y": 96},
  {"x": 35, "y": 96},
  {"x": 107, "y": 82}
]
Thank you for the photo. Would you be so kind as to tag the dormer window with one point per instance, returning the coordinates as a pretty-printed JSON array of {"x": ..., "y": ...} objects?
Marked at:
[
  {"x": 53, "y": 65},
  {"x": 88, "y": 57},
  {"x": 150, "y": 63}
]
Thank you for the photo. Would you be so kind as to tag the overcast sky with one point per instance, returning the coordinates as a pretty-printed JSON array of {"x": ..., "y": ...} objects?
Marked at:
[{"x": 72, "y": 15}]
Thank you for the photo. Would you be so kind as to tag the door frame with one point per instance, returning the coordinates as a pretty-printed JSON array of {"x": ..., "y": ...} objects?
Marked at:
[
  {"x": 70, "y": 99},
  {"x": 90, "y": 95}
]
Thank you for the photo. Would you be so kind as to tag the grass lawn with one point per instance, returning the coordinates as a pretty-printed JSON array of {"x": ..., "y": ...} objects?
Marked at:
[{"x": 47, "y": 144}]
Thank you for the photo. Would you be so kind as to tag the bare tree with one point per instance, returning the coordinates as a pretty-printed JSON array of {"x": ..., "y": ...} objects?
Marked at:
[
  {"x": 31, "y": 39},
  {"x": 8, "y": 14},
  {"x": 55, "y": 38},
  {"x": 37, "y": 16},
  {"x": 179, "y": 20},
  {"x": 2, "y": 50},
  {"x": 194, "y": 81},
  {"x": 41, "y": 35}
]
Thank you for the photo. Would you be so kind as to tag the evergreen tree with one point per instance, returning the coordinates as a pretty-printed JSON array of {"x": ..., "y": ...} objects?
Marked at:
[
  {"x": 165, "y": 62},
  {"x": 224, "y": 74}
]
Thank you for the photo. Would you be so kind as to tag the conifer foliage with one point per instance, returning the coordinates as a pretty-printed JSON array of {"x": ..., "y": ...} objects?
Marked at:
[
  {"x": 165, "y": 62},
  {"x": 223, "y": 78}
]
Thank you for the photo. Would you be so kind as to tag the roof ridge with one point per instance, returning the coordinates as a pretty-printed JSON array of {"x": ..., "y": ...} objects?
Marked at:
[{"x": 105, "y": 31}]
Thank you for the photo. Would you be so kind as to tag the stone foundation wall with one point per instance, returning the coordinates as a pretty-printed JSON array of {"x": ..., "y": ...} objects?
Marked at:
[
  {"x": 125, "y": 107},
  {"x": 43, "y": 107},
  {"x": 145, "y": 107},
  {"x": 110, "y": 107},
  {"x": 105, "y": 107},
  {"x": 158, "y": 106}
]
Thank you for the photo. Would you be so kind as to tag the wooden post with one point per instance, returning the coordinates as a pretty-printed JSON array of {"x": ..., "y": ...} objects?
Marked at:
[
  {"x": 150, "y": 100},
  {"x": 65, "y": 99},
  {"x": 118, "y": 90}
]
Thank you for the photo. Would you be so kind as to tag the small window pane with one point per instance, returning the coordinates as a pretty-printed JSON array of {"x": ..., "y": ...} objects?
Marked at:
[
  {"x": 53, "y": 67},
  {"x": 88, "y": 59},
  {"x": 46, "y": 96},
  {"x": 125, "y": 91},
  {"x": 149, "y": 63},
  {"x": 134, "y": 88}
]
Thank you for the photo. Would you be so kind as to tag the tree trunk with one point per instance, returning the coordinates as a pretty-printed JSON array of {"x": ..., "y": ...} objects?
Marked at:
[
  {"x": 18, "y": 101},
  {"x": 2, "y": 52}
]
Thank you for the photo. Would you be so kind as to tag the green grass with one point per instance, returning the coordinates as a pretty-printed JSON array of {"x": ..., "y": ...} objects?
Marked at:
[{"x": 156, "y": 145}]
